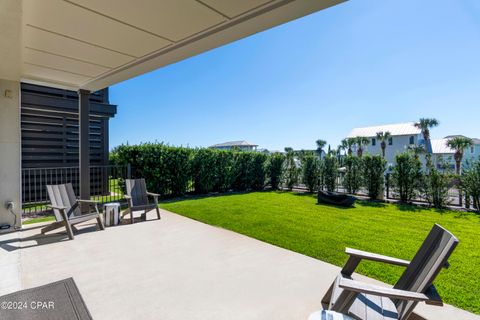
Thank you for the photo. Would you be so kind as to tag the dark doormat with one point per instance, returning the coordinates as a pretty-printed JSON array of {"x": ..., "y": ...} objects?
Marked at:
[{"x": 59, "y": 300}]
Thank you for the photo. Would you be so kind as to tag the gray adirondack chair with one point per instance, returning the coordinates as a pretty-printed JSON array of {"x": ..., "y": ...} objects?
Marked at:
[
  {"x": 137, "y": 198},
  {"x": 366, "y": 301},
  {"x": 66, "y": 208}
]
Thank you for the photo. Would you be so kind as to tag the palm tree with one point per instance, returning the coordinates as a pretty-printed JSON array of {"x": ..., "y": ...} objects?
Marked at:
[
  {"x": 320, "y": 145},
  {"x": 417, "y": 150},
  {"x": 459, "y": 144},
  {"x": 425, "y": 124},
  {"x": 347, "y": 145},
  {"x": 361, "y": 142},
  {"x": 383, "y": 137}
]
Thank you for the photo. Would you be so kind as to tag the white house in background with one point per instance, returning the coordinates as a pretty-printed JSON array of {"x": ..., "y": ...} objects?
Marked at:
[
  {"x": 402, "y": 136},
  {"x": 241, "y": 145},
  {"x": 443, "y": 156}
]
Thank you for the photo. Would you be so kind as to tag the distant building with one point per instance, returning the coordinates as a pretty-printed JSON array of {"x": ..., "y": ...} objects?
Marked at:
[
  {"x": 443, "y": 156},
  {"x": 402, "y": 136},
  {"x": 241, "y": 145}
]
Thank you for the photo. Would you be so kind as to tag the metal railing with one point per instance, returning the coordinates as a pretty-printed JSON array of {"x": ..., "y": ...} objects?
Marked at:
[
  {"x": 455, "y": 197},
  {"x": 106, "y": 185}
]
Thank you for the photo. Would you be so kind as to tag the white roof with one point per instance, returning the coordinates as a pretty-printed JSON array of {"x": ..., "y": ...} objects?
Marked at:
[
  {"x": 440, "y": 146},
  {"x": 397, "y": 129},
  {"x": 241, "y": 143}
]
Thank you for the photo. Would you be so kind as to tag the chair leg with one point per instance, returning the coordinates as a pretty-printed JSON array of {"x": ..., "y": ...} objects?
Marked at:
[
  {"x": 131, "y": 216},
  {"x": 158, "y": 213},
  {"x": 100, "y": 223},
  {"x": 69, "y": 230}
]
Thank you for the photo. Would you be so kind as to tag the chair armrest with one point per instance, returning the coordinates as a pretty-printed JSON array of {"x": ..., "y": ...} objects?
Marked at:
[
  {"x": 127, "y": 197},
  {"x": 153, "y": 194},
  {"x": 361, "y": 287},
  {"x": 376, "y": 257},
  {"x": 56, "y": 207}
]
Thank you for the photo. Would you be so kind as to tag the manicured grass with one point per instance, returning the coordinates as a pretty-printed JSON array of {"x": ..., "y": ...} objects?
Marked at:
[{"x": 294, "y": 221}]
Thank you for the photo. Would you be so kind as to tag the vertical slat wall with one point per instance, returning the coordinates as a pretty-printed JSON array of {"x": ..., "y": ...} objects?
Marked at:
[{"x": 49, "y": 124}]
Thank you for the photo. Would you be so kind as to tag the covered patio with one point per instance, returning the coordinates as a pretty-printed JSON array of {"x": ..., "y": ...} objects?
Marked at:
[
  {"x": 177, "y": 268},
  {"x": 174, "y": 268},
  {"x": 88, "y": 45}
]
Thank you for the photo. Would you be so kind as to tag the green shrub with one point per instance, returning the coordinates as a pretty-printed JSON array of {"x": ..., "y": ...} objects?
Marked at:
[
  {"x": 407, "y": 176},
  {"x": 329, "y": 172},
  {"x": 290, "y": 170},
  {"x": 311, "y": 171},
  {"x": 225, "y": 175},
  {"x": 258, "y": 170},
  {"x": 205, "y": 170},
  {"x": 353, "y": 174},
  {"x": 170, "y": 171},
  {"x": 249, "y": 170},
  {"x": 471, "y": 183},
  {"x": 166, "y": 169},
  {"x": 274, "y": 169},
  {"x": 373, "y": 170},
  {"x": 435, "y": 187}
]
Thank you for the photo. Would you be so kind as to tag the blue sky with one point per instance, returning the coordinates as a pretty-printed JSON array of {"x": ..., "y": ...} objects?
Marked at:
[{"x": 363, "y": 62}]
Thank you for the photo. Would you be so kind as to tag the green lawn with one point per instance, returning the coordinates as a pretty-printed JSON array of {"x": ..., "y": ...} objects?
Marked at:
[{"x": 294, "y": 221}]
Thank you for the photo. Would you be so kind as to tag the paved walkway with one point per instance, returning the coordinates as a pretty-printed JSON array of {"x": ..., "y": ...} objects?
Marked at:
[{"x": 176, "y": 268}]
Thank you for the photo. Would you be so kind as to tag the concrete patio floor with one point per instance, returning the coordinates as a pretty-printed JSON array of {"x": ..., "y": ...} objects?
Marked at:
[{"x": 176, "y": 268}]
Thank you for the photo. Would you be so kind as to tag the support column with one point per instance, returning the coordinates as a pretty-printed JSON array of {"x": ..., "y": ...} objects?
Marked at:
[
  {"x": 84, "y": 142},
  {"x": 10, "y": 156}
]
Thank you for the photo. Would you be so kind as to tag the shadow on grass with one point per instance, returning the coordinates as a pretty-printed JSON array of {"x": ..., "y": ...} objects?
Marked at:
[
  {"x": 193, "y": 196},
  {"x": 372, "y": 203}
]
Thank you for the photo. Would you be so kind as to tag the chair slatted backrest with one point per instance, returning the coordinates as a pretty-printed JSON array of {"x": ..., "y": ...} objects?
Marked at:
[
  {"x": 137, "y": 190},
  {"x": 425, "y": 266},
  {"x": 62, "y": 195}
]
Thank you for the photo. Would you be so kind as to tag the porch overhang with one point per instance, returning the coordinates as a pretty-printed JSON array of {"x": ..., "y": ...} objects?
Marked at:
[{"x": 92, "y": 44}]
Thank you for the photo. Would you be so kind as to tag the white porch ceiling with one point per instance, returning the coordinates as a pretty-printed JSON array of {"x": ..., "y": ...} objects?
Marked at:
[{"x": 92, "y": 44}]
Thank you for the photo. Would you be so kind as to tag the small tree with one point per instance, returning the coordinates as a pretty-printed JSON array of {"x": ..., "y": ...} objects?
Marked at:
[
  {"x": 417, "y": 150},
  {"x": 347, "y": 145},
  {"x": 435, "y": 188},
  {"x": 459, "y": 144},
  {"x": 275, "y": 165},
  {"x": 361, "y": 142},
  {"x": 330, "y": 172},
  {"x": 353, "y": 175},
  {"x": 471, "y": 183},
  {"x": 290, "y": 170},
  {"x": 311, "y": 171},
  {"x": 407, "y": 175},
  {"x": 383, "y": 137},
  {"x": 373, "y": 175},
  {"x": 320, "y": 145},
  {"x": 425, "y": 124}
]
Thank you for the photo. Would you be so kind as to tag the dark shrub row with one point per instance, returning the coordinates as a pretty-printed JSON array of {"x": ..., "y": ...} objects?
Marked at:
[{"x": 177, "y": 170}]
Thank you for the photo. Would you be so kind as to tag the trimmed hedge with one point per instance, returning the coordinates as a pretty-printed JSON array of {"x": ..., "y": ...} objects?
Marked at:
[
  {"x": 173, "y": 171},
  {"x": 166, "y": 169}
]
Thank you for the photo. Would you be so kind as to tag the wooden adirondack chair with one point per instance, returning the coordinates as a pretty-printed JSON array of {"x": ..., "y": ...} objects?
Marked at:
[
  {"x": 67, "y": 211},
  {"x": 366, "y": 301},
  {"x": 137, "y": 197}
]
